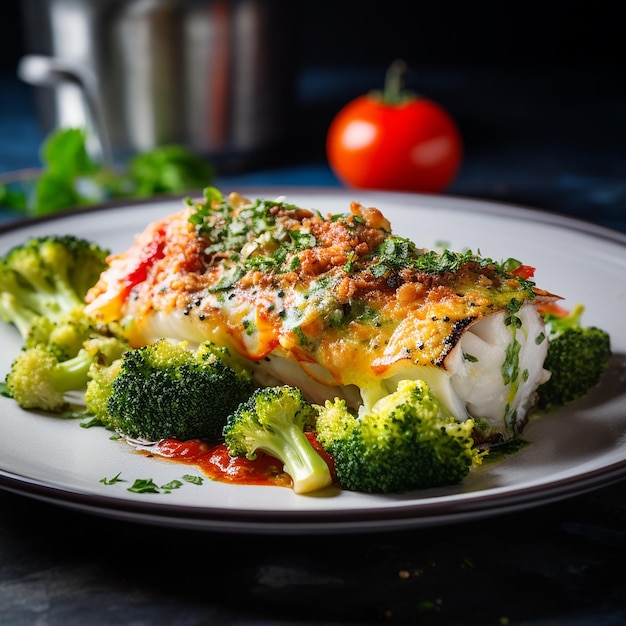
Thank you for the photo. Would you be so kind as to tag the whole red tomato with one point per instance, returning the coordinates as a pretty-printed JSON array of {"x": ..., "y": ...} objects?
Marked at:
[{"x": 394, "y": 140}]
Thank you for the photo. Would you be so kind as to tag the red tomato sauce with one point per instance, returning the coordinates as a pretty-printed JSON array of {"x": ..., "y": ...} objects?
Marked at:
[
  {"x": 153, "y": 252},
  {"x": 214, "y": 461}
]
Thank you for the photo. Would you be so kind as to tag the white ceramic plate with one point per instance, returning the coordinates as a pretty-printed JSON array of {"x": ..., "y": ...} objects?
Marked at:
[{"x": 570, "y": 452}]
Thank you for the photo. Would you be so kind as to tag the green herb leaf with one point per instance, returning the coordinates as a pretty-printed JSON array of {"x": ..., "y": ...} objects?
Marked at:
[
  {"x": 13, "y": 198},
  {"x": 196, "y": 480},
  {"x": 173, "y": 484},
  {"x": 90, "y": 421},
  {"x": 70, "y": 178},
  {"x": 64, "y": 154},
  {"x": 112, "y": 481},
  {"x": 168, "y": 169},
  {"x": 144, "y": 485},
  {"x": 55, "y": 192}
]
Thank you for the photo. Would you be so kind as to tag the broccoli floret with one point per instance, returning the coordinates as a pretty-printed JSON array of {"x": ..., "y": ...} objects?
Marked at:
[
  {"x": 38, "y": 379},
  {"x": 45, "y": 279},
  {"x": 577, "y": 357},
  {"x": 406, "y": 441},
  {"x": 273, "y": 420},
  {"x": 167, "y": 390},
  {"x": 43, "y": 283},
  {"x": 65, "y": 336}
]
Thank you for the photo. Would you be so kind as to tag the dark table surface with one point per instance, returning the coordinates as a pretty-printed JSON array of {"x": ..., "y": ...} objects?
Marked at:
[{"x": 553, "y": 139}]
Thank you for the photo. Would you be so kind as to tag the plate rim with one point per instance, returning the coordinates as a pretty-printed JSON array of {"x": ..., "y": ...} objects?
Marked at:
[
  {"x": 486, "y": 205},
  {"x": 471, "y": 505}
]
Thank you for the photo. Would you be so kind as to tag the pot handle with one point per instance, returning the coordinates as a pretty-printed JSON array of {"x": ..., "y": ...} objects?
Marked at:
[{"x": 45, "y": 71}]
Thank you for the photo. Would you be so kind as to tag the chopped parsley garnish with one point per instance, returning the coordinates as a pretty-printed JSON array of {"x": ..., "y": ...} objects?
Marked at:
[
  {"x": 196, "y": 480},
  {"x": 147, "y": 485},
  {"x": 510, "y": 367},
  {"x": 253, "y": 237},
  {"x": 144, "y": 485},
  {"x": 112, "y": 481},
  {"x": 397, "y": 253},
  {"x": 173, "y": 484},
  {"x": 250, "y": 235}
]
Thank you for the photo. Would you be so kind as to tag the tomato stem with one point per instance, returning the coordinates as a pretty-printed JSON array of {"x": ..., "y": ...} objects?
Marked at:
[{"x": 394, "y": 92}]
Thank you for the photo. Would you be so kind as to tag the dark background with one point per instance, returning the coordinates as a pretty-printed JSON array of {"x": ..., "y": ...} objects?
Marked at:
[
  {"x": 501, "y": 34},
  {"x": 538, "y": 90}
]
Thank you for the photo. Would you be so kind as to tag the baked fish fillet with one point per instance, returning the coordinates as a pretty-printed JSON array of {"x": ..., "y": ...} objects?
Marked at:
[{"x": 337, "y": 305}]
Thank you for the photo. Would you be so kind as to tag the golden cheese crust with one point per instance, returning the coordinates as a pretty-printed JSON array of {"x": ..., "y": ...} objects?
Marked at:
[{"x": 341, "y": 293}]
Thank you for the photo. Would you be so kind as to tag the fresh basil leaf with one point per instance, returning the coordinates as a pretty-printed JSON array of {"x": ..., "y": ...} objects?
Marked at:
[
  {"x": 55, "y": 192},
  {"x": 64, "y": 153},
  {"x": 168, "y": 169}
]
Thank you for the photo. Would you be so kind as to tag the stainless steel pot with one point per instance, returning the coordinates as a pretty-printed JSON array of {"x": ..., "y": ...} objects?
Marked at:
[{"x": 217, "y": 76}]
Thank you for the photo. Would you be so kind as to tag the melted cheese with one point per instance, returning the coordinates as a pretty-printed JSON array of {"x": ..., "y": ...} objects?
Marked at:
[{"x": 325, "y": 311}]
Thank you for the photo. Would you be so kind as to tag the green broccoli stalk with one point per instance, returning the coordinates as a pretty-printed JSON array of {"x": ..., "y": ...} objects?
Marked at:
[
  {"x": 167, "y": 390},
  {"x": 39, "y": 380},
  {"x": 13, "y": 311},
  {"x": 45, "y": 279},
  {"x": 273, "y": 420},
  {"x": 406, "y": 441},
  {"x": 577, "y": 357}
]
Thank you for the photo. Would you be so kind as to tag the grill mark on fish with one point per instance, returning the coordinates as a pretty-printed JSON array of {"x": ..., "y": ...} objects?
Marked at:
[{"x": 453, "y": 338}]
